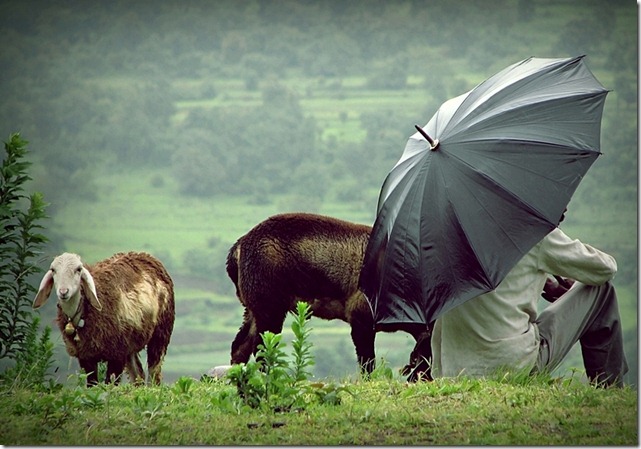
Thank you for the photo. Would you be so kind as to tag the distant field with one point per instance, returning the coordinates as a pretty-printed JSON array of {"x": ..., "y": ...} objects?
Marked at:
[
  {"x": 134, "y": 215},
  {"x": 335, "y": 105}
]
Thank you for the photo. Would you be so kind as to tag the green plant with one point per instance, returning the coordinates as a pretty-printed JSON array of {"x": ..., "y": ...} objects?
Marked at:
[
  {"x": 34, "y": 362},
  {"x": 80, "y": 378},
  {"x": 54, "y": 409},
  {"x": 382, "y": 371},
  {"x": 102, "y": 372},
  {"x": 183, "y": 386},
  {"x": 247, "y": 379},
  {"x": 328, "y": 393},
  {"x": 93, "y": 397},
  {"x": 20, "y": 245},
  {"x": 301, "y": 345},
  {"x": 59, "y": 408},
  {"x": 266, "y": 383},
  {"x": 148, "y": 403},
  {"x": 272, "y": 382},
  {"x": 279, "y": 393}
]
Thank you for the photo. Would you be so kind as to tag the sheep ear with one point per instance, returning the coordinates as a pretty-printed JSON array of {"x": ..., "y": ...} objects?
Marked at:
[
  {"x": 89, "y": 287},
  {"x": 46, "y": 284}
]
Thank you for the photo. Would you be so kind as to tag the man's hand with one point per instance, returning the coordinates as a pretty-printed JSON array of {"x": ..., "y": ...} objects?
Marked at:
[{"x": 555, "y": 288}]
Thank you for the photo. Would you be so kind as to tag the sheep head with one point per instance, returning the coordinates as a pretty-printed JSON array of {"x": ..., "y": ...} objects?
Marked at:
[{"x": 68, "y": 275}]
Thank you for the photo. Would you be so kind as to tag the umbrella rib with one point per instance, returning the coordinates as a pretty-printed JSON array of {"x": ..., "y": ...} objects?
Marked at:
[
  {"x": 406, "y": 239},
  {"x": 484, "y": 88}
]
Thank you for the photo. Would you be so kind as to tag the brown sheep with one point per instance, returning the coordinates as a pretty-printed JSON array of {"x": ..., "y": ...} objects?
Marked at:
[
  {"x": 110, "y": 311},
  {"x": 306, "y": 257}
]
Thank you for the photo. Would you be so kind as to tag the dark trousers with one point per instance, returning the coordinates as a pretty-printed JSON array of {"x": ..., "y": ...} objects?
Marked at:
[{"x": 589, "y": 315}]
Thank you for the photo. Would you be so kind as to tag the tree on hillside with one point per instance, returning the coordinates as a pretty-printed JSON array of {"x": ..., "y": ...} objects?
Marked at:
[{"x": 251, "y": 152}]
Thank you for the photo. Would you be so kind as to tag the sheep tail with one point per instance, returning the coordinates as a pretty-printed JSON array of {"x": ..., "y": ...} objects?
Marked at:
[{"x": 232, "y": 265}]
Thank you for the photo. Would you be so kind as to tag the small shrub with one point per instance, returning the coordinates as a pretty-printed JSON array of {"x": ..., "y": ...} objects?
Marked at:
[
  {"x": 34, "y": 363},
  {"x": 183, "y": 386},
  {"x": 382, "y": 371},
  {"x": 148, "y": 403},
  {"x": 272, "y": 383}
]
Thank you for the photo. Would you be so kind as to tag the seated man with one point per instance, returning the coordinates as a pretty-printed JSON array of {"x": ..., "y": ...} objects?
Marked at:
[{"x": 501, "y": 329}]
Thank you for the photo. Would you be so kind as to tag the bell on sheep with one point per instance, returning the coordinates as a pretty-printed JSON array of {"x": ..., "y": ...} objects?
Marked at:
[{"x": 69, "y": 329}]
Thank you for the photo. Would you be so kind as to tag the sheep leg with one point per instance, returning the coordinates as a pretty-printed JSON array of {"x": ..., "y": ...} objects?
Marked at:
[
  {"x": 154, "y": 365},
  {"x": 272, "y": 322},
  {"x": 90, "y": 367},
  {"x": 363, "y": 337},
  {"x": 243, "y": 345},
  {"x": 114, "y": 371},
  {"x": 156, "y": 350},
  {"x": 134, "y": 369},
  {"x": 420, "y": 363},
  {"x": 249, "y": 336}
]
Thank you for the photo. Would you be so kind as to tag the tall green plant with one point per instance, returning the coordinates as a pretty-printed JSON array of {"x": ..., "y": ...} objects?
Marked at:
[
  {"x": 274, "y": 383},
  {"x": 301, "y": 344},
  {"x": 20, "y": 245}
]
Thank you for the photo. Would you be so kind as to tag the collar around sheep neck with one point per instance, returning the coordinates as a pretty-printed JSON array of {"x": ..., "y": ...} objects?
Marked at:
[{"x": 76, "y": 318}]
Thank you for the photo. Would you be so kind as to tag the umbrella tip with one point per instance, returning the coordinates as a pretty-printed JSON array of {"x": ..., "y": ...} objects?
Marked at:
[{"x": 433, "y": 143}]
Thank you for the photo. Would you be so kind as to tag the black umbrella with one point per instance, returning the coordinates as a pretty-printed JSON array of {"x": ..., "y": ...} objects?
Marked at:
[{"x": 460, "y": 208}]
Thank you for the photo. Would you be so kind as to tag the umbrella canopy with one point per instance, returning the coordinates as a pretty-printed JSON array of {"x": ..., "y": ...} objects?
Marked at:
[{"x": 475, "y": 189}]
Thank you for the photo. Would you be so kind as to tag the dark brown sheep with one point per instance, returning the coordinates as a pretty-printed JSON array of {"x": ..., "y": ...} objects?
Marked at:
[
  {"x": 305, "y": 257},
  {"x": 110, "y": 311}
]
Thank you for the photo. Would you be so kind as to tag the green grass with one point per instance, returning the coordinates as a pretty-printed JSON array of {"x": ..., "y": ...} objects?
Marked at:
[{"x": 379, "y": 412}]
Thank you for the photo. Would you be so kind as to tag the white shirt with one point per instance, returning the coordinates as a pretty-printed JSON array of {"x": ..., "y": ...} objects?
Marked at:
[{"x": 497, "y": 329}]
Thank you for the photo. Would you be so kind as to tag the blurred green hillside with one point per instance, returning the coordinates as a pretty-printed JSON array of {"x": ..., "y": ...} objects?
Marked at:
[{"x": 174, "y": 126}]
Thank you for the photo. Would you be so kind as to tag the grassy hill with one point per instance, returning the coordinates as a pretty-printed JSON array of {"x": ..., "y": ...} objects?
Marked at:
[{"x": 378, "y": 412}]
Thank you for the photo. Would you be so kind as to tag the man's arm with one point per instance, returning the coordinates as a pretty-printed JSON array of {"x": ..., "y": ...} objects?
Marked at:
[{"x": 570, "y": 258}]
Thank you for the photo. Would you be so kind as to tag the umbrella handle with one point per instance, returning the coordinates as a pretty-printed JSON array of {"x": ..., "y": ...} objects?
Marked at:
[{"x": 433, "y": 143}]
